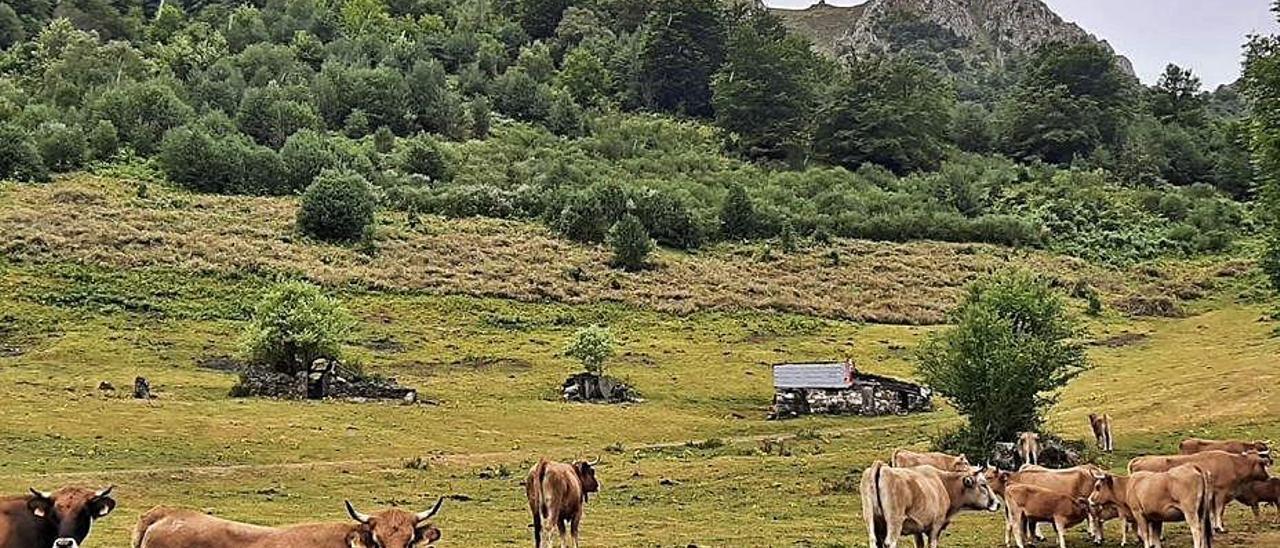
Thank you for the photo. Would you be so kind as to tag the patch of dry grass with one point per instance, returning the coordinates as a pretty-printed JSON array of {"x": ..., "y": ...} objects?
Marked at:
[{"x": 103, "y": 222}]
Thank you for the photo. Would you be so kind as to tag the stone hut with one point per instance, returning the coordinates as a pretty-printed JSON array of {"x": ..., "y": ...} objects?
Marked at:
[{"x": 840, "y": 389}]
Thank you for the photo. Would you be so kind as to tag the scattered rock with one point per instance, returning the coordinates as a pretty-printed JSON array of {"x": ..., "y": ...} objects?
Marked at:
[
  {"x": 591, "y": 388},
  {"x": 10, "y": 351},
  {"x": 141, "y": 388},
  {"x": 1054, "y": 453},
  {"x": 106, "y": 386}
]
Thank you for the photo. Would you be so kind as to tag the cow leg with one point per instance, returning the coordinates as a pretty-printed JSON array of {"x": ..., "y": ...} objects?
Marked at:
[
  {"x": 1257, "y": 511},
  {"x": 573, "y": 530},
  {"x": 920, "y": 540},
  {"x": 1060, "y": 526},
  {"x": 1219, "y": 510},
  {"x": 564, "y": 533},
  {"x": 1157, "y": 534}
]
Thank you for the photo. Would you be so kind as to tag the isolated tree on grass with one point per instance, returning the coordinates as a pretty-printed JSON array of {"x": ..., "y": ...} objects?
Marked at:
[
  {"x": 738, "y": 219},
  {"x": 592, "y": 346},
  {"x": 337, "y": 207},
  {"x": 294, "y": 324},
  {"x": 630, "y": 242},
  {"x": 1011, "y": 349}
]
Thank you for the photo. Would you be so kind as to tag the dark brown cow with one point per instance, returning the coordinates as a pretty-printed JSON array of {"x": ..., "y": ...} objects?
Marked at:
[
  {"x": 1195, "y": 445},
  {"x": 919, "y": 501},
  {"x": 164, "y": 527},
  {"x": 1155, "y": 498},
  {"x": 903, "y": 458},
  {"x": 1101, "y": 426},
  {"x": 557, "y": 495},
  {"x": 1255, "y": 493},
  {"x": 60, "y": 519},
  {"x": 1029, "y": 504},
  {"x": 1229, "y": 471}
]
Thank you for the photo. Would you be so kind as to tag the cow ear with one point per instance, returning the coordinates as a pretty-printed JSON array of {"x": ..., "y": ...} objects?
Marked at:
[
  {"x": 428, "y": 534},
  {"x": 969, "y": 481},
  {"x": 102, "y": 506},
  {"x": 41, "y": 507}
]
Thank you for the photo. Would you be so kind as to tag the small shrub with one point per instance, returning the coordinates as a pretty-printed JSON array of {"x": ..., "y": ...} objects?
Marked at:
[
  {"x": 294, "y": 324},
  {"x": 423, "y": 155},
  {"x": 19, "y": 158},
  {"x": 787, "y": 238},
  {"x": 592, "y": 346},
  {"x": 631, "y": 243},
  {"x": 384, "y": 141},
  {"x": 103, "y": 141},
  {"x": 1270, "y": 261},
  {"x": 62, "y": 148},
  {"x": 338, "y": 206},
  {"x": 738, "y": 218}
]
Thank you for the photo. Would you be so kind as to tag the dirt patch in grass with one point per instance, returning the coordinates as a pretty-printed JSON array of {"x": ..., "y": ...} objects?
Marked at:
[
  {"x": 224, "y": 364},
  {"x": 1122, "y": 340},
  {"x": 386, "y": 344},
  {"x": 472, "y": 363}
]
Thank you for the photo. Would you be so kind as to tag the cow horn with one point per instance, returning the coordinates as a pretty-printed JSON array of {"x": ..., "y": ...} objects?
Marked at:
[
  {"x": 41, "y": 494},
  {"x": 351, "y": 510},
  {"x": 594, "y": 461},
  {"x": 424, "y": 516},
  {"x": 104, "y": 492}
]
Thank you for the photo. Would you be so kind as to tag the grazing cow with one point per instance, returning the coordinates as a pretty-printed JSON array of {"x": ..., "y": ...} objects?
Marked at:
[
  {"x": 1101, "y": 426},
  {"x": 60, "y": 519},
  {"x": 1192, "y": 446},
  {"x": 164, "y": 527},
  {"x": 1229, "y": 471},
  {"x": 1029, "y": 448},
  {"x": 1075, "y": 482},
  {"x": 919, "y": 501},
  {"x": 557, "y": 495},
  {"x": 903, "y": 458},
  {"x": 1255, "y": 493},
  {"x": 1155, "y": 498},
  {"x": 1029, "y": 504}
]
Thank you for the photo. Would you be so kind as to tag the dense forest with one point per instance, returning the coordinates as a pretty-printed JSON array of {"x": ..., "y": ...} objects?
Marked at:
[{"x": 704, "y": 121}]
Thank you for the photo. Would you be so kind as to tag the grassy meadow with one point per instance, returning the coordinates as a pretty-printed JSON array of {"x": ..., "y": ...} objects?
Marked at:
[{"x": 99, "y": 282}]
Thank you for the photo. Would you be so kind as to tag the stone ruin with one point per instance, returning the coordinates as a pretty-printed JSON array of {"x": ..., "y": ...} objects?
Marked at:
[
  {"x": 839, "y": 389},
  {"x": 323, "y": 379},
  {"x": 590, "y": 388},
  {"x": 1054, "y": 453}
]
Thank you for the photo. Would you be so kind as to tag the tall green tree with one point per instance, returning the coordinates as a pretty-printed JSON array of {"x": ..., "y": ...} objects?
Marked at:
[
  {"x": 889, "y": 111},
  {"x": 1262, "y": 87},
  {"x": 539, "y": 18},
  {"x": 1178, "y": 98},
  {"x": 763, "y": 94},
  {"x": 682, "y": 47}
]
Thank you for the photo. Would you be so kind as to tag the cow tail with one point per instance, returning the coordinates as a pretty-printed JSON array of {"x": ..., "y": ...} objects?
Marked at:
[
  {"x": 536, "y": 502},
  {"x": 879, "y": 492},
  {"x": 1207, "y": 502},
  {"x": 144, "y": 524}
]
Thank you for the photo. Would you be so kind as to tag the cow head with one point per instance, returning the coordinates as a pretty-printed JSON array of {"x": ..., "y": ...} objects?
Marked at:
[
  {"x": 1104, "y": 489},
  {"x": 998, "y": 479},
  {"x": 962, "y": 464},
  {"x": 587, "y": 477},
  {"x": 394, "y": 528},
  {"x": 69, "y": 512},
  {"x": 1258, "y": 463},
  {"x": 977, "y": 494}
]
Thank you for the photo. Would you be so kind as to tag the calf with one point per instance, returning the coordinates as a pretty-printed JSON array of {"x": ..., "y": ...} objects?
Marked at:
[
  {"x": 903, "y": 458},
  {"x": 1255, "y": 493},
  {"x": 1229, "y": 471},
  {"x": 61, "y": 519},
  {"x": 1075, "y": 482},
  {"x": 163, "y": 527},
  {"x": 1154, "y": 498},
  {"x": 919, "y": 501},
  {"x": 1101, "y": 426},
  {"x": 1192, "y": 446},
  {"x": 557, "y": 494},
  {"x": 1029, "y": 504},
  {"x": 1029, "y": 448}
]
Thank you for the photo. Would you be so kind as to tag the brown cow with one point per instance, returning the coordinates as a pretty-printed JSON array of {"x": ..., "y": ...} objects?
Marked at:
[
  {"x": 919, "y": 501},
  {"x": 1029, "y": 504},
  {"x": 1101, "y": 426},
  {"x": 1229, "y": 471},
  {"x": 1192, "y": 446},
  {"x": 60, "y": 519},
  {"x": 1255, "y": 493},
  {"x": 557, "y": 494},
  {"x": 164, "y": 527},
  {"x": 1076, "y": 482},
  {"x": 1029, "y": 448},
  {"x": 903, "y": 458},
  {"x": 1154, "y": 498}
]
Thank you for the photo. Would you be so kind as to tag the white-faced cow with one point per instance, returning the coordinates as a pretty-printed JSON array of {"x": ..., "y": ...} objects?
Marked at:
[
  {"x": 903, "y": 458},
  {"x": 1101, "y": 426},
  {"x": 919, "y": 501},
  {"x": 1229, "y": 471},
  {"x": 1192, "y": 446},
  {"x": 164, "y": 527},
  {"x": 1155, "y": 498},
  {"x": 557, "y": 495},
  {"x": 1029, "y": 448},
  {"x": 61, "y": 519}
]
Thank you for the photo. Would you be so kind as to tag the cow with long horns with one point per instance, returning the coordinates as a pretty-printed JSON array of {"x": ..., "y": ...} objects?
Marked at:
[
  {"x": 557, "y": 495},
  {"x": 61, "y": 519},
  {"x": 164, "y": 527}
]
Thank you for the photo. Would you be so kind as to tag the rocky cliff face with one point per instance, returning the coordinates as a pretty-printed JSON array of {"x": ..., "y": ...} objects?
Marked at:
[{"x": 993, "y": 29}]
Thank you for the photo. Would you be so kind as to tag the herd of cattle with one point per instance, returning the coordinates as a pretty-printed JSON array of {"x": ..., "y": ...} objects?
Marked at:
[{"x": 917, "y": 494}]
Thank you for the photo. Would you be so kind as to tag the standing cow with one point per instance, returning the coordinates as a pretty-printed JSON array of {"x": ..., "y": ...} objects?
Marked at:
[
  {"x": 60, "y": 519},
  {"x": 1029, "y": 448},
  {"x": 164, "y": 527},
  {"x": 919, "y": 501},
  {"x": 1229, "y": 471},
  {"x": 557, "y": 495},
  {"x": 1101, "y": 426},
  {"x": 1254, "y": 493},
  {"x": 1192, "y": 446},
  {"x": 1155, "y": 498},
  {"x": 1076, "y": 482},
  {"x": 903, "y": 458}
]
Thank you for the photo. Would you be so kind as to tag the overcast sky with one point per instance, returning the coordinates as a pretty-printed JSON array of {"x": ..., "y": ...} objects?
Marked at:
[{"x": 1205, "y": 35}]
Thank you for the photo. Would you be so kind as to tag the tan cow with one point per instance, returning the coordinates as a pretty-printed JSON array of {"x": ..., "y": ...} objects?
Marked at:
[
  {"x": 164, "y": 527},
  {"x": 557, "y": 494},
  {"x": 1075, "y": 482},
  {"x": 1101, "y": 426},
  {"x": 919, "y": 501},
  {"x": 1229, "y": 471},
  {"x": 1029, "y": 448},
  {"x": 903, "y": 458},
  {"x": 60, "y": 519},
  {"x": 1029, "y": 504},
  {"x": 1192, "y": 446},
  {"x": 1155, "y": 498},
  {"x": 1255, "y": 493}
]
